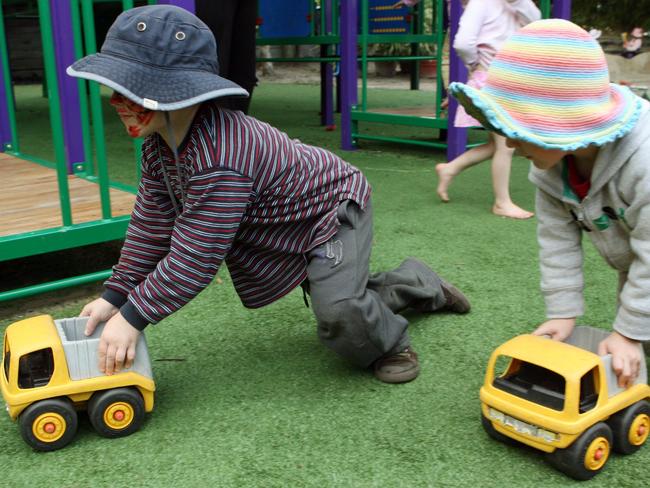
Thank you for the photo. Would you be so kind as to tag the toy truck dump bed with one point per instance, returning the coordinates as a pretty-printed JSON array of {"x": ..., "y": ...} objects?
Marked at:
[{"x": 81, "y": 351}]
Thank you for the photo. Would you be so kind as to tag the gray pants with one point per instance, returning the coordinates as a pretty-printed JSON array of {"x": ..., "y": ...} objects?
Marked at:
[{"x": 357, "y": 312}]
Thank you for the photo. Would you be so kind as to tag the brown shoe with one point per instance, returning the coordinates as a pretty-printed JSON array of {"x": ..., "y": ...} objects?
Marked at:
[
  {"x": 456, "y": 301},
  {"x": 398, "y": 368}
]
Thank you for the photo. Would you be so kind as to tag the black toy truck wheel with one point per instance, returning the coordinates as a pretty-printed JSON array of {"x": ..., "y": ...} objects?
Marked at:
[
  {"x": 587, "y": 456},
  {"x": 631, "y": 427},
  {"x": 116, "y": 413},
  {"x": 49, "y": 424}
]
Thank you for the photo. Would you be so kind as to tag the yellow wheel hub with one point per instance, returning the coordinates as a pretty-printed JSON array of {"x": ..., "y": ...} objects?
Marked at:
[
  {"x": 49, "y": 427},
  {"x": 597, "y": 454},
  {"x": 639, "y": 430},
  {"x": 118, "y": 415}
]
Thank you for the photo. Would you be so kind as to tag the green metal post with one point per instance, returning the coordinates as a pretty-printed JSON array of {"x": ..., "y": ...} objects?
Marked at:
[
  {"x": 55, "y": 109},
  {"x": 11, "y": 109},
  {"x": 96, "y": 111},
  {"x": 440, "y": 42},
  {"x": 137, "y": 142},
  {"x": 545, "y": 7},
  {"x": 54, "y": 285},
  {"x": 364, "y": 55},
  {"x": 137, "y": 148}
]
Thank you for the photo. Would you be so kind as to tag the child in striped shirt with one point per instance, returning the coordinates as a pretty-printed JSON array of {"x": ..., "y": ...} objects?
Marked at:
[{"x": 219, "y": 186}]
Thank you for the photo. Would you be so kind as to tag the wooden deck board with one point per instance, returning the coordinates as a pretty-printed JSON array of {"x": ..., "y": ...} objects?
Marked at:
[{"x": 29, "y": 198}]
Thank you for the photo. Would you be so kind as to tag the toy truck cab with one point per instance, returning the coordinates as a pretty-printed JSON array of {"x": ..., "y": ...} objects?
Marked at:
[
  {"x": 50, "y": 370},
  {"x": 563, "y": 399}
]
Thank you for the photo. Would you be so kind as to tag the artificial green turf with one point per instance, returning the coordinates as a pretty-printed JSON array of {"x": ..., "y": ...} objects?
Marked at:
[{"x": 250, "y": 397}]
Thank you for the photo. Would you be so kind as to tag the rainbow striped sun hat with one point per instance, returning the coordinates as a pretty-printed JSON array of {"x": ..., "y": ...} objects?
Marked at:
[{"x": 549, "y": 85}]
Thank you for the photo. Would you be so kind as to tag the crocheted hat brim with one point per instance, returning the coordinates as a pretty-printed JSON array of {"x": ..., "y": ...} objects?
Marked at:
[{"x": 493, "y": 117}]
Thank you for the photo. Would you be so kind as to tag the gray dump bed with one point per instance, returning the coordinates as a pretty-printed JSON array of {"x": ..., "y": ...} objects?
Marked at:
[
  {"x": 81, "y": 350},
  {"x": 588, "y": 338}
]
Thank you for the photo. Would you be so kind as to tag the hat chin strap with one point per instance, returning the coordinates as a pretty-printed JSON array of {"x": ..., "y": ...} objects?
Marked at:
[{"x": 181, "y": 181}]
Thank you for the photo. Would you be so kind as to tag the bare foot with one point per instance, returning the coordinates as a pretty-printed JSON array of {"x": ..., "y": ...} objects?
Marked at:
[
  {"x": 511, "y": 211},
  {"x": 445, "y": 175}
]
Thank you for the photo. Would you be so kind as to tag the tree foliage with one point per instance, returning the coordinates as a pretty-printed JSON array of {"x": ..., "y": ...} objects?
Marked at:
[{"x": 618, "y": 15}]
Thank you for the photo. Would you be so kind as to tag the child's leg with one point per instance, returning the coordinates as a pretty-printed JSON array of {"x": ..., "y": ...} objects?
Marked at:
[
  {"x": 414, "y": 285},
  {"x": 352, "y": 320},
  {"x": 501, "y": 162},
  {"x": 447, "y": 171}
]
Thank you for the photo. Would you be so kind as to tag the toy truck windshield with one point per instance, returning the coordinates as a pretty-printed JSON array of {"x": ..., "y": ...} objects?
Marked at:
[
  {"x": 532, "y": 382},
  {"x": 543, "y": 386},
  {"x": 35, "y": 368}
]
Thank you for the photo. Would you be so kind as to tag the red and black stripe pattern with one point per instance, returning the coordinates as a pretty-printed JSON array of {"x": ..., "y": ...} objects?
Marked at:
[{"x": 252, "y": 196}]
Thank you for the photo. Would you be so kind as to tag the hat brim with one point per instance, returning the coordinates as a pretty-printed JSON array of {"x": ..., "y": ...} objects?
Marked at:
[
  {"x": 493, "y": 117},
  {"x": 151, "y": 87}
]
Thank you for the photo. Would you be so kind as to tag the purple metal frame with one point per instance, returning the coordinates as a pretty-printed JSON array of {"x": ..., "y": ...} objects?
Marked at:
[
  {"x": 348, "y": 70},
  {"x": 186, "y": 4},
  {"x": 6, "y": 137},
  {"x": 561, "y": 9},
  {"x": 5, "y": 126},
  {"x": 456, "y": 137},
  {"x": 68, "y": 86}
]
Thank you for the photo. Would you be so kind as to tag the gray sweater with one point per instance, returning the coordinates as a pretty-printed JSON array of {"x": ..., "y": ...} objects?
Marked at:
[{"x": 615, "y": 215}]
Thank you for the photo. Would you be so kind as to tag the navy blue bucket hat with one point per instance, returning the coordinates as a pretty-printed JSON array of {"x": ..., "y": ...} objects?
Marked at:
[{"x": 161, "y": 57}]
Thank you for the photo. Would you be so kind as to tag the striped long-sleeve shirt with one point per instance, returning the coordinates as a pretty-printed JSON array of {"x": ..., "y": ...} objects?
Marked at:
[{"x": 250, "y": 195}]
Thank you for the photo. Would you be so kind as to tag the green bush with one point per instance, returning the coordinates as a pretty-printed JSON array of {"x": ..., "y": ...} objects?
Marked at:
[{"x": 617, "y": 15}]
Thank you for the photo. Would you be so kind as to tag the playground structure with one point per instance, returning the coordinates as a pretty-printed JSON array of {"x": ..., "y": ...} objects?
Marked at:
[
  {"x": 291, "y": 23},
  {"x": 347, "y": 30},
  {"x": 354, "y": 112},
  {"x": 78, "y": 204}
]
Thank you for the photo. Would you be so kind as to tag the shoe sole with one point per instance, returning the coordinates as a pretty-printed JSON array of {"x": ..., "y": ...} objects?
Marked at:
[{"x": 403, "y": 377}]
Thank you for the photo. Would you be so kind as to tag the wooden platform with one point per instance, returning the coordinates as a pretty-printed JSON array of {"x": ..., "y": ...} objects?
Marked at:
[{"x": 29, "y": 198}]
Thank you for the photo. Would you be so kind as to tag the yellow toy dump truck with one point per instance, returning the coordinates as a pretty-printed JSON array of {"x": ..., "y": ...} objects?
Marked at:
[
  {"x": 50, "y": 370},
  {"x": 563, "y": 399}
]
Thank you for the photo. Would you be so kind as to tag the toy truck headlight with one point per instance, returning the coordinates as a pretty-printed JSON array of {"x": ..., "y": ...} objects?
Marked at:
[
  {"x": 522, "y": 427},
  {"x": 547, "y": 435},
  {"x": 496, "y": 415}
]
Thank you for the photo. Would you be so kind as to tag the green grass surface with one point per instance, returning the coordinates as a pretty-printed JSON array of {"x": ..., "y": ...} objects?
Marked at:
[{"x": 252, "y": 399}]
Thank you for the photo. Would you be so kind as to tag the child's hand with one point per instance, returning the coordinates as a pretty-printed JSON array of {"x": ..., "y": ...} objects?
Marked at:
[
  {"x": 557, "y": 329},
  {"x": 626, "y": 358},
  {"x": 99, "y": 311},
  {"x": 117, "y": 345}
]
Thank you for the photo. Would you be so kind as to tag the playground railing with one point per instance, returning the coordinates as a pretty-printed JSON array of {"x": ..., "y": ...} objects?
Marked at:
[{"x": 75, "y": 115}]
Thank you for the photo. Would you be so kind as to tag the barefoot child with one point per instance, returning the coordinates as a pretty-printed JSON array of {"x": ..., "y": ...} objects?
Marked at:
[
  {"x": 548, "y": 93},
  {"x": 483, "y": 28}
]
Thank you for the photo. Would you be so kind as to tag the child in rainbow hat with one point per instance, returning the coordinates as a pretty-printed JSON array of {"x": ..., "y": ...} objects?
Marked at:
[{"x": 548, "y": 93}]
